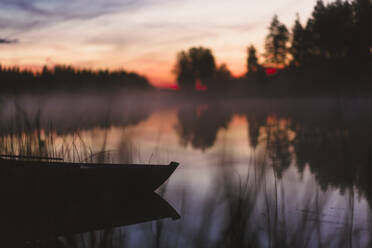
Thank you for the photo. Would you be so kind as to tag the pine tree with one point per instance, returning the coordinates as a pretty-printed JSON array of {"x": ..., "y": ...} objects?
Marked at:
[
  {"x": 297, "y": 48},
  {"x": 276, "y": 43},
  {"x": 252, "y": 60}
]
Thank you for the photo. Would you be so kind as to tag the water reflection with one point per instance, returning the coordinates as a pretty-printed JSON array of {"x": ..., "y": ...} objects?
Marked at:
[
  {"x": 256, "y": 173},
  {"x": 38, "y": 221},
  {"x": 198, "y": 124}
]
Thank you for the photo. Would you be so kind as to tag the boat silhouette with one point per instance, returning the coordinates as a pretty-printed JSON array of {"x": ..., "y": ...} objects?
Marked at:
[
  {"x": 58, "y": 178},
  {"x": 42, "y": 200}
]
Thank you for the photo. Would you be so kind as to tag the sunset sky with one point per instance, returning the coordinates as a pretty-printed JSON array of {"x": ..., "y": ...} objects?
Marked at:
[{"x": 137, "y": 35}]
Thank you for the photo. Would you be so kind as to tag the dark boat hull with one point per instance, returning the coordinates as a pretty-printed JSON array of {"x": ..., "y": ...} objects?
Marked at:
[{"x": 19, "y": 176}]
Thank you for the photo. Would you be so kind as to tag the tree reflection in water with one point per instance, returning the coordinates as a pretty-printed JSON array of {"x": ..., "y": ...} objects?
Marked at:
[{"x": 199, "y": 124}]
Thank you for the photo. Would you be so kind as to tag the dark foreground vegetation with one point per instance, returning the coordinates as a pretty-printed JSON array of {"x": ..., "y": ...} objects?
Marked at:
[
  {"x": 13, "y": 79},
  {"x": 330, "y": 55}
]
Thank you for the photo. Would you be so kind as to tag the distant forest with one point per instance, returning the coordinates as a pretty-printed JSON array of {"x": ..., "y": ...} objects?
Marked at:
[
  {"x": 330, "y": 55},
  {"x": 13, "y": 79}
]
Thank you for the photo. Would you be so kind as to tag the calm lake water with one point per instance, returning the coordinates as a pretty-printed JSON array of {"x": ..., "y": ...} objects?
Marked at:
[{"x": 253, "y": 172}]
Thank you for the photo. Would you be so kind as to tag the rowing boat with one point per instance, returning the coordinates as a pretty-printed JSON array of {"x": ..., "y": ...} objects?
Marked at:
[{"x": 19, "y": 175}]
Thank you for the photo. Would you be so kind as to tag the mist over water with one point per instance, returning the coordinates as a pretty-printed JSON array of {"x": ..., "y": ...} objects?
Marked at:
[{"x": 260, "y": 172}]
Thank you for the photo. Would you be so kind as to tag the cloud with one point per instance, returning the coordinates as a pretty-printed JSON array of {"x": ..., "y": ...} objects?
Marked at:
[
  {"x": 66, "y": 8},
  {"x": 192, "y": 26},
  {"x": 25, "y": 5},
  {"x": 8, "y": 41},
  {"x": 40, "y": 13}
]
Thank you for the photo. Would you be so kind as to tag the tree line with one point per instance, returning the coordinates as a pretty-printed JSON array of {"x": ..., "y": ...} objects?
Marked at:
[
  {"x": 332, "y": 51},
  {"x": 13, "y": 79}
]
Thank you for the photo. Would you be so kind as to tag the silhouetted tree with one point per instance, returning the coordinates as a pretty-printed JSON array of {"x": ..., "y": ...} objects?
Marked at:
[
  {"x": 222, "y": 78},
  {"x": 331, "y": 27},
  {"x": 362, "y": 34},
  {"x": 184, "y": 71},
  {"x": 197, "y": 63},
  {"x": 255, "y": 72},
  {"x": 297, "y": 48},
  {"x": 223, "y": 73},
  {"x": 252, "y": 60},
  {"x": 276, "y": 42},
  {"x": 203, "y": 63}
]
